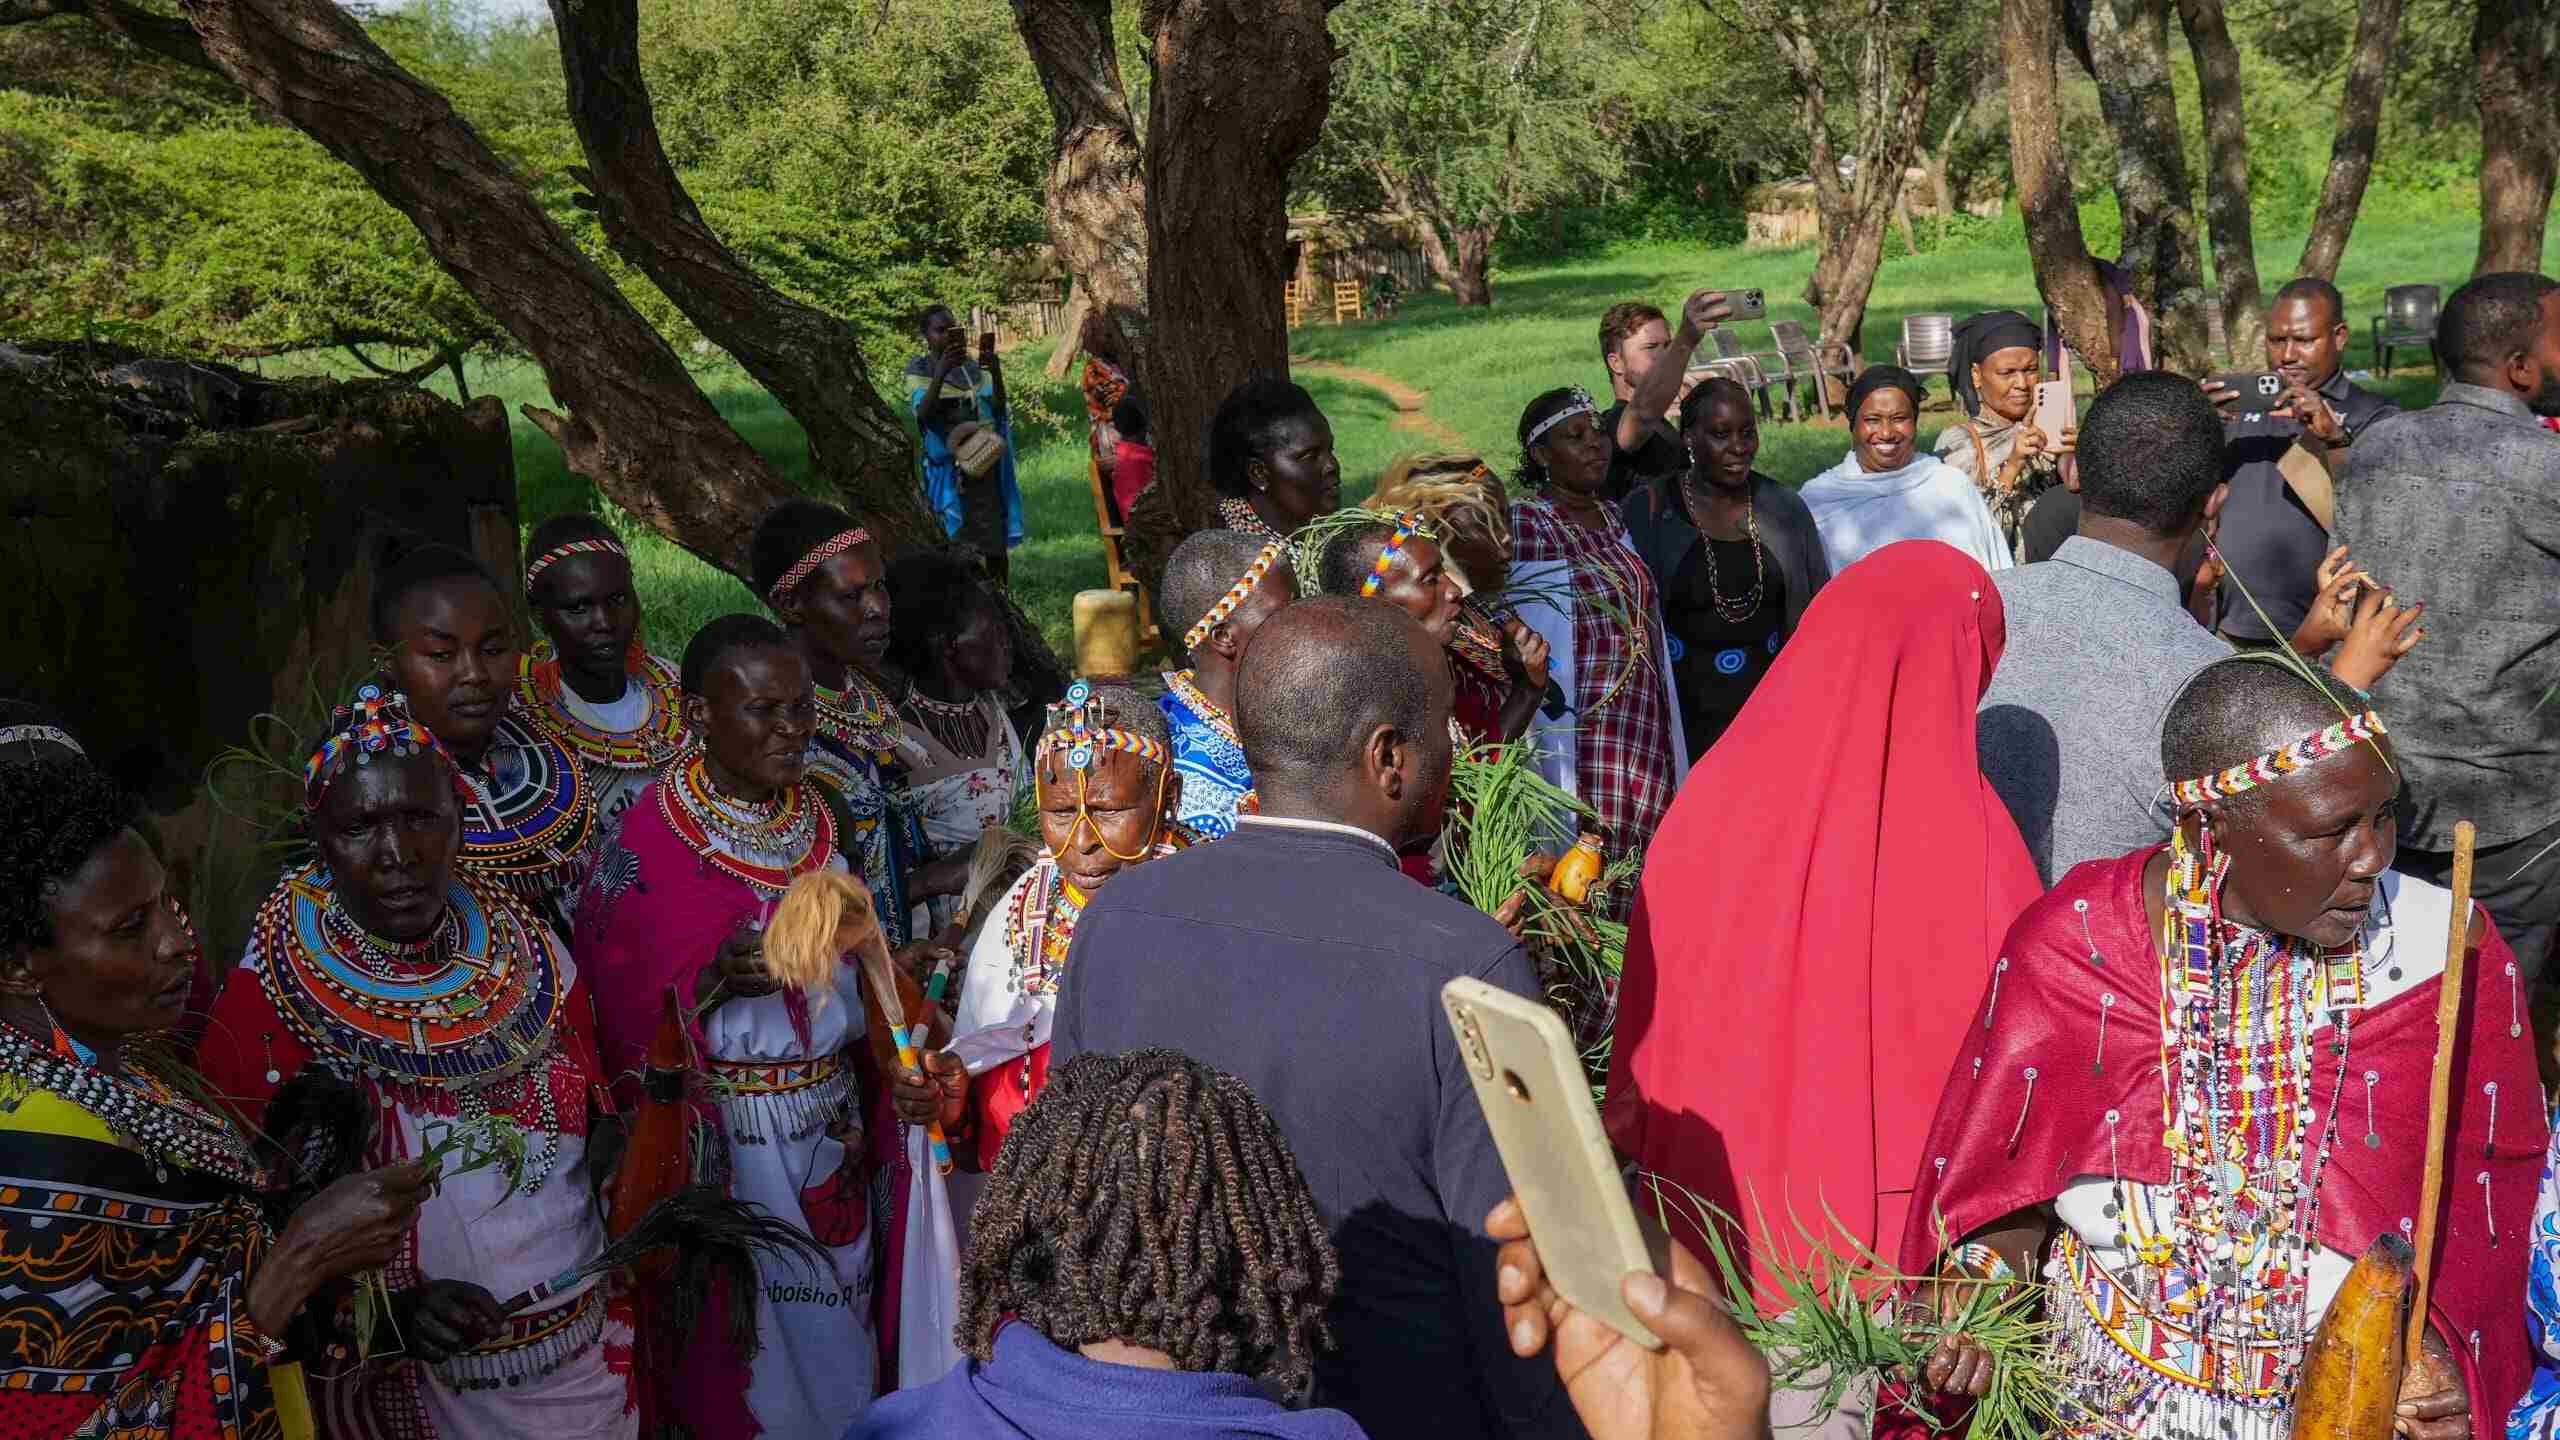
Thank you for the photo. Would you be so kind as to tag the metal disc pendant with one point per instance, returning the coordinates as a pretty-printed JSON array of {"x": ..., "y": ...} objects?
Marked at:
[{"x": 2372, "y": 1141}]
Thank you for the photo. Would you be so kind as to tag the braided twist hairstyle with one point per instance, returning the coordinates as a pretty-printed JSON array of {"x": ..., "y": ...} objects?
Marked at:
[{"x": 1151, "y": 1199}]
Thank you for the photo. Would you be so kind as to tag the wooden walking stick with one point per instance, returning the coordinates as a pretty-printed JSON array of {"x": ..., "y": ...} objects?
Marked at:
[{"x": 2440, "y": 1088}]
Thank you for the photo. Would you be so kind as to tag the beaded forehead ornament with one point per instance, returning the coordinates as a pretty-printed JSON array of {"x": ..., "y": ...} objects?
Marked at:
[
  {"x": 374, "y": 723},
  {"x": 826, "y": 550},
  {"x": 1409, "y": 526},
  {"x": 593, "y": 545},
  {"x": 1081, "y": 726},
  {"x": 2276, "y": 764},
  {"x": 1580, "y": 405},
  {"x": 40, "y": 734},
  {"x": 1236, "y": 595}
]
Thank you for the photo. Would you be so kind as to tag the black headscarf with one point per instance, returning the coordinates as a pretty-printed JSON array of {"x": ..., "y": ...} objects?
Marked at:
[
  {"x": 1982, "y": 336},
  {"x": 1882, "y": 377}
]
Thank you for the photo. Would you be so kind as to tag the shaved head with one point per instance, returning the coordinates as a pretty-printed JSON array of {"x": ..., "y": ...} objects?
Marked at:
[
  {"x": 2240, "y": 708},
  {"x": 1326, "y": 674}
]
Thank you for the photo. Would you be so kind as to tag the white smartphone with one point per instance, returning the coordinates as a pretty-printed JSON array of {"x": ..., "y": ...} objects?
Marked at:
[
  {"x": 1529, "y": 1080},
  {"x": 2055, "y": 410}
]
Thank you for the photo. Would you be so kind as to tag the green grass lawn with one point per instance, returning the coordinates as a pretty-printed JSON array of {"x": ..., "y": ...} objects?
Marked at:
[{"x": 1478, "y": 368}]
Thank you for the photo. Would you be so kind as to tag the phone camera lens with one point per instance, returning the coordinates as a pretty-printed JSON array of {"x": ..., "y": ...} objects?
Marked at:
[{"x": 1519, "y": 1089}]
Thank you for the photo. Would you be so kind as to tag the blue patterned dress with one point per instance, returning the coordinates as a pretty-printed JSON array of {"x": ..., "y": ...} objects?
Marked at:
[
  {"x": 2537, "y": 1415},
  {"x": 1216, "y": 782}
]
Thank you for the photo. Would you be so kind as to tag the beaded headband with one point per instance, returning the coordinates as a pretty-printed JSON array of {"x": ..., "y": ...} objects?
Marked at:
[
  {"x": 1079, "y": 726},
  {"x": 593, "y": 545},
  {"x": 2276, "y": 764},
  {"x": 1409, "y": 525},
  {"x": 39, "y": 734},
  {"x": 374, "y": 723},
  {"x": 1236, "y": 595},
  {"x": 1580, "y": 405},
  {"x": 827, "y": 550}
]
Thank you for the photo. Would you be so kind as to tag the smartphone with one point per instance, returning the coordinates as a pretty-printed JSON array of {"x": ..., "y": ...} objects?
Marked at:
[
  {"x": 1528, "y": 1077},
  {"x": 1750, "y": 305},
  {"x": 2257, "y": 389},
  {"x": 2055, "y": 411}
]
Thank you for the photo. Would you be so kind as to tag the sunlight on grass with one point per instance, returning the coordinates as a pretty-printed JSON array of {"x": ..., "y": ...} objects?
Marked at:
[{"x": 1477, "y": 369}]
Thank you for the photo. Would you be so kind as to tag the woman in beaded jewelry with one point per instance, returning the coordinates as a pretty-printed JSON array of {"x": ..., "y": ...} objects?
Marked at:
[
  {"x": 1734, "y": 554},
  {"x": 150, "y": 1290},
  {"x": 590, "y": 683},
  {"x": 1499, "y": 678},
  {"x": 1271, "y": 459},
  {"x": 2199, "y": 1081},
  {"x": 1108, "y": 795},
  {"x": 950, "y": 640},
  {"x": 448, "y": 637},
  {"x": 795, "y": 1117},
  {"x": 824, "y": 578},
  {"x": 452, "y": 1005},
  {"x": 1218, "y": 589}
]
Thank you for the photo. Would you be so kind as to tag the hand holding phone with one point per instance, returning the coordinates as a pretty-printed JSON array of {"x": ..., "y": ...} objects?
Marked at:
[
  {"x": 1750, "y": 304},
  {"x": 2056, "y": 411},
  {"x": 1528, "y": 1077}
]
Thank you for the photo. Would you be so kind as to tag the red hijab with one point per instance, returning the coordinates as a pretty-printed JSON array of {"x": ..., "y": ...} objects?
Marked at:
[{"x": 1819, "y": 911}]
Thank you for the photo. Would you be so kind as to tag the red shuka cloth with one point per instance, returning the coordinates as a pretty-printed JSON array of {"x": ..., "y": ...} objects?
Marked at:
[
  {"x": 2046, "y": 1014},
  {"x": 1818, "y": 909}
]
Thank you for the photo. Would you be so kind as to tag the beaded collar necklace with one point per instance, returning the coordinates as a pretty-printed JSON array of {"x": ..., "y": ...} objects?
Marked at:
[
  {"x": 136, "y": 1106},
  {"x": 1186, "y": 684},
  {"x": 647, "y": 746},
  {"x": 765, "y": 846},
  {"x": 1240, "y": 515},
  {"x": 531, "y": 818},
  {"x": 859, "y": 715}
]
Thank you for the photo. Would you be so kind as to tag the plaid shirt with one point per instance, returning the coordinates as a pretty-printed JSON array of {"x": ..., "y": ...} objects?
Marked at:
[{"x": 1624, "y": 765}]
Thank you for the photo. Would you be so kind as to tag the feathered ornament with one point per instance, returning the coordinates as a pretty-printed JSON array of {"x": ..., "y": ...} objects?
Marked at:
[
  {"x": 999, "y": 859},
  {"x": 824, "y": 915},
  {"x": 714, "y": 1238}
]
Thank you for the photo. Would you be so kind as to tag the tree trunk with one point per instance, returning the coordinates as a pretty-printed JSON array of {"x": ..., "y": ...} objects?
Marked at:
[
  {"x": 2226, "y": 179},
  {"x": 636, "y": 423},
  {"x": 1465, "y": 265},
  {"x": 1096, "y": 200},
  {"x": 1241, "y": 88},
  {"x": 2513, "y": 44},
  {"x": 1893, "y": 99},
  {"x": 2359, "y": 127},
  {"x": 2129, "y": 54},
  {"x": 1475, "y": 265},
  {"x": 1902, "y": 222},
  {"x": 2066, "y": 273},
  {"x": 810, "y": 360}
]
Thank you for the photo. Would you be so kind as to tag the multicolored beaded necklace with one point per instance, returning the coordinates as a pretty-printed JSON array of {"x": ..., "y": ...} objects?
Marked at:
[
  {"x": 647, "y": 747},
  {"x": 136, "y": 1106},
  {"x": 765, "y": 846},
  {"x": 532, "y": 812},
  {"x": 1039, "y": 928},
  {"x": 859, "y": 716},
  {"x": 1186, "y": 684},
  {"x": 1239, "y": 514}
]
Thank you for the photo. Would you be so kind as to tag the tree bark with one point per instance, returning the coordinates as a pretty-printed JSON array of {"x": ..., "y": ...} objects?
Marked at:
[
  {"x": 1460, "y": 254},
  {"x": 2359, "y": 128},
  {"x": 1241, "y": 89},
  {"x": 1096, "y": 200},
  {"x": 1893, "y": 99},
  {"x": 2226, "y": 178},
  {"x": 2515, "y": 45},
  {"x": 636, "y": 423},
  {"x": 1475, "y": 265},
  {"x": 2066, "y": 273},
  {"x": 810, "y": 360},
  {"x": 2129, "y": 54}
]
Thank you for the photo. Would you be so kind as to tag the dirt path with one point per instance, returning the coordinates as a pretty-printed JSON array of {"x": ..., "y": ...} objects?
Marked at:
[{"x": 1409, "y": 402}]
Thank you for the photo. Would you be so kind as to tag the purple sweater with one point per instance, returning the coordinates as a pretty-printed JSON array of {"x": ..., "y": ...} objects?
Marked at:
[{"x": 1036, "y": 1391}]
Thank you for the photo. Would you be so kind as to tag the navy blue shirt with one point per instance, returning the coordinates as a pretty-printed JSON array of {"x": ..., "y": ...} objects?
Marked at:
[
  {"x": 2273, "y": 544},
  {"x": 1305, "y": 963}
]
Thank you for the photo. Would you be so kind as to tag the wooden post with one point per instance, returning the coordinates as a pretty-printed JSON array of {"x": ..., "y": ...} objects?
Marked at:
[{"x": 2440, "y": 1089}]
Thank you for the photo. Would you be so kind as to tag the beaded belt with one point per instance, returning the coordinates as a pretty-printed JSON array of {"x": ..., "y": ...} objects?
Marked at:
[
  {"x": 2103, "y": 1328},
  {"x": 531, "y": 1347},
  {"x": 775, "y": 1077}
]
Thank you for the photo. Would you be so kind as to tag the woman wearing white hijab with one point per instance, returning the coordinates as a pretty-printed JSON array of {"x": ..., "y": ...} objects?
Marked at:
[{"x": 1885, "y": 489}]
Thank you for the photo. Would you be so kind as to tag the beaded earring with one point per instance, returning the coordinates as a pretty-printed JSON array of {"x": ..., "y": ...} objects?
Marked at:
[{"x": 64, "y": 1045}]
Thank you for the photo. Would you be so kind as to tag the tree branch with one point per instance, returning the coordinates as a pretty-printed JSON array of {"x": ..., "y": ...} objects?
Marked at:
[{"x": 162, "y": 35}]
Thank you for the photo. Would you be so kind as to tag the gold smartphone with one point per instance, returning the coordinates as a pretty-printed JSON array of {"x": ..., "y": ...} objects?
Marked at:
[{"x": 1529, "y": 1080}]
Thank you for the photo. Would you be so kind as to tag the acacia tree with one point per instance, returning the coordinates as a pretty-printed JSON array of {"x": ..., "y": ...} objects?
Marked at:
[
  {"x": 629, "y": 417},
  {"x": 2066, "y": 273},
  {"x": 2226, "y": 177},
  {"x": 2126, "y": 51},
  {"x": 2515, "y": 45},
  {"x": 2359, "y": 127},
  {"x": 1096, "y": 196},
  {"x": 1461, "y": 114}
]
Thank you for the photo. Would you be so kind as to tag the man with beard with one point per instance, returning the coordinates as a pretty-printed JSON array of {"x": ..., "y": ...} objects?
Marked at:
[
  {"x": 2270, "y": 539},
  {"x": 2454, "y": 503},
  {"x": 1296, "y": 956}
]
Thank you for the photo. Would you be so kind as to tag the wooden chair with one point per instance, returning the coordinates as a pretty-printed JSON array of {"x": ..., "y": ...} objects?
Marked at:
[
  {"x": 1805, "y": 360},
  {"x": 1346, "y": 300},
  {"x": 2408, "y": 318},
  {"x": 1112, "y": 533},
  {"x": 1293, "y": 298},
  {"x": 1928, "y": 347}
]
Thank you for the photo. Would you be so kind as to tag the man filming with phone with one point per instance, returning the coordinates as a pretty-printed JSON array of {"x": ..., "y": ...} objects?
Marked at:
[{"x": 2272, "y": 536}]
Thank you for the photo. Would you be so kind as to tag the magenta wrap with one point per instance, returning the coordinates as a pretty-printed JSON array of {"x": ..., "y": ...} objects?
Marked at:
[{"x": 1994, "y": 1148}]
